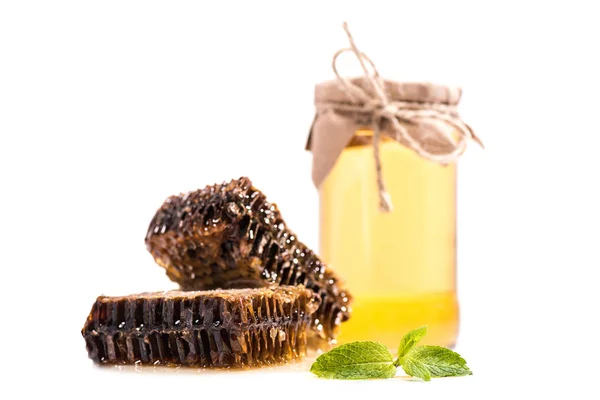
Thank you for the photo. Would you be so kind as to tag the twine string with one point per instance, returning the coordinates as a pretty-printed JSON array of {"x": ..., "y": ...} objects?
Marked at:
[{"x": 377, "y": 105}]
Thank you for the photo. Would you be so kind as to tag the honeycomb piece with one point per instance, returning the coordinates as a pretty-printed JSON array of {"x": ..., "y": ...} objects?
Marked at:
[
  {"x": 217, "y": 328},
  {"x": 230, "y": 236}
]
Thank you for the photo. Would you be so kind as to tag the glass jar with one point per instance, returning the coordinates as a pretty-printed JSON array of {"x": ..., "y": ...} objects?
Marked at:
[{"x": 400, "y": 266}]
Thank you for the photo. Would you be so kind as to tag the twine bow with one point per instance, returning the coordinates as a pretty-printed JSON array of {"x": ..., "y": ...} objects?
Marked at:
[{"x": 398, "y": 113}]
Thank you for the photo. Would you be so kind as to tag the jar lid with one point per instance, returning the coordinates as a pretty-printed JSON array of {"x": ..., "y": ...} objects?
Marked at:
[{"x": 418, "y": 92}]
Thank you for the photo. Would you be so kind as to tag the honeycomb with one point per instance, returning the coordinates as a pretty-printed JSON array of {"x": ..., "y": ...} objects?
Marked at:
[
  {"x": 218, "y": 328},
  {"x": 229, "y": 236}
]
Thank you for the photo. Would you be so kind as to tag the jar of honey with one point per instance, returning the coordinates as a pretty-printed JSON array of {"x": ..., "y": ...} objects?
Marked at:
[{"x": 398, "y": 262}]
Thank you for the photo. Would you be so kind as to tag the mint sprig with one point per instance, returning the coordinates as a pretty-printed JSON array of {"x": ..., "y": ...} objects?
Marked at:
[
  {"x": 410, "y": 340},
  {"x": 438, "y": 361},
  {"x": 371, "y": 360},
  {"x": 356, "y": 360}
]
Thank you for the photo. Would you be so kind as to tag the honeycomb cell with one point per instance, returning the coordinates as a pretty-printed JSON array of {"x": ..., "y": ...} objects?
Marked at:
[
  {"x": 230, "y": 236},
  {"x": 217, "y": 328}
]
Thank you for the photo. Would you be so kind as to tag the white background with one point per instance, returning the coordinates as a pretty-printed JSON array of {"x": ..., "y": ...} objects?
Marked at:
[{"x": 106, "y": 108}]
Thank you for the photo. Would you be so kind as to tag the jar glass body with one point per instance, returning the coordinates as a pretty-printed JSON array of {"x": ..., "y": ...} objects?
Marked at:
[{"x": 399, "y": 266}]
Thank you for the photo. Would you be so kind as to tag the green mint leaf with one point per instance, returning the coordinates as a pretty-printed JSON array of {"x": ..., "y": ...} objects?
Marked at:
[
  {"x": 414, "y": 367},
  {"x": 439, "y": 361},
  {"x": 409, "y": 340},
  {"x": 356, "y": 360}
]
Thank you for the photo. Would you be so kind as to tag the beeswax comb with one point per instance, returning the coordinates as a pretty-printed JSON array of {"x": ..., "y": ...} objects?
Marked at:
[
  {"x": 217, "y": 328},
  {"x": 229, "y": 236}
]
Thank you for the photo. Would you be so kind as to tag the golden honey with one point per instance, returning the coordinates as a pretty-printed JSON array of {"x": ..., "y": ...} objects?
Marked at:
[{"x": 401, "y": 266}]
